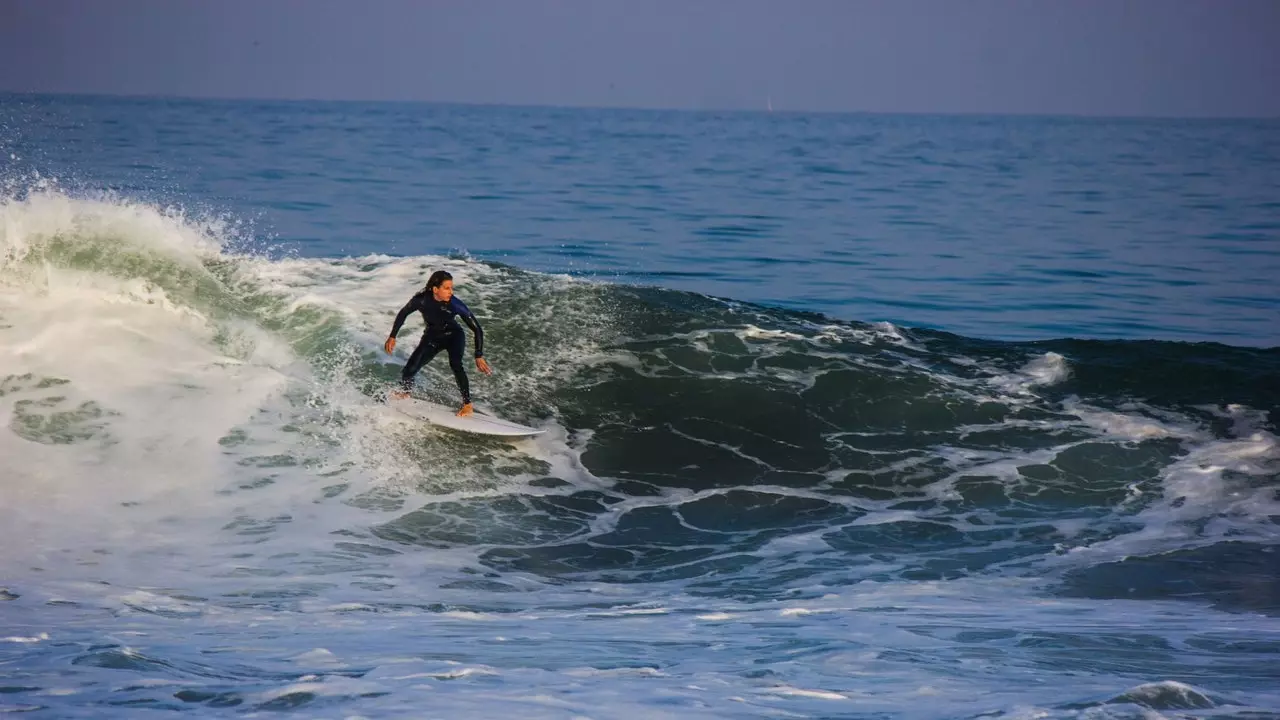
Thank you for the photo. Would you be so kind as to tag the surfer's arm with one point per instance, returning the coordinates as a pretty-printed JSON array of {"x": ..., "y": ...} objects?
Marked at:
[
  {"x": 464, "y": 312},
  {"x": 403, "y": 315}
]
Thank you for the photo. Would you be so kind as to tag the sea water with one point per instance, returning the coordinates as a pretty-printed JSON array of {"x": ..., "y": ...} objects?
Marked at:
[{"x": 847, "y": 415}]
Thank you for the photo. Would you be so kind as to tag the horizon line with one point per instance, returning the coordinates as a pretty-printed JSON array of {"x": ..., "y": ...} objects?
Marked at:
[{"x": 633, "y": 108}]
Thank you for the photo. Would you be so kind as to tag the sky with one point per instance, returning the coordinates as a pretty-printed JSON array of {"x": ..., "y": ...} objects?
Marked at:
[{"x": 1188, "y": 58}]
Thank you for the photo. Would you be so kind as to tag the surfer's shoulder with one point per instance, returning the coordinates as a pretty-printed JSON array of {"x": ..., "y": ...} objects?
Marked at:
[{"x": 459, "y": 306}]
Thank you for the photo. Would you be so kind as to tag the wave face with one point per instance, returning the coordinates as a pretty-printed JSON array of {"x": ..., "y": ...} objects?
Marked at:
[{"x": 738, "y": 510}]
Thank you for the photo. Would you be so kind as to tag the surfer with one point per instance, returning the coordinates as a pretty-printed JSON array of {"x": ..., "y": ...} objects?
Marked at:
[{"x": 439, "y": 309}]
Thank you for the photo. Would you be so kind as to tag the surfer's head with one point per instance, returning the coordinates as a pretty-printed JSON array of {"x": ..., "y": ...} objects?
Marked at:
[{"x": 441, "y": 285}]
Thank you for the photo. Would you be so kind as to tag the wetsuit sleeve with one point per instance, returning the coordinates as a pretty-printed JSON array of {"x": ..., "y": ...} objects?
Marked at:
[
  {"x": 465, "y": 313},
  {"x": 404, "y": 313}
]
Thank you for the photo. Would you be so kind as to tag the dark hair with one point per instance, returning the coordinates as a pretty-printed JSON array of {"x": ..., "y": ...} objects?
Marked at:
[{"x": 437, "y": 278}]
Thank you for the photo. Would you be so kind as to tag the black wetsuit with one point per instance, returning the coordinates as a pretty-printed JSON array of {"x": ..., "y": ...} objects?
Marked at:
[{"x": 442, "y": 333}]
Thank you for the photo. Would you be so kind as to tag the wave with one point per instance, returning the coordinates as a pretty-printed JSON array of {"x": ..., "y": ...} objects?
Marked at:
[{"x": 162, "y": 385}]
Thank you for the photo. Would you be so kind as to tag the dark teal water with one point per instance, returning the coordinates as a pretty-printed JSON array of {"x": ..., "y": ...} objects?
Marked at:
[{"x": 847, "y": 416}]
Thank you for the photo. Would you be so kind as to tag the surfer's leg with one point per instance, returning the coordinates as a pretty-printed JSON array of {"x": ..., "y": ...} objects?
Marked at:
[
  {"x": 457, "y": 343},
  {"x": 420, "y": 357}
]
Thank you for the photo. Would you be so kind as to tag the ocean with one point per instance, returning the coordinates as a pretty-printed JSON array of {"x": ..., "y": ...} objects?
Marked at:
[{"x": 847, "y": 416}]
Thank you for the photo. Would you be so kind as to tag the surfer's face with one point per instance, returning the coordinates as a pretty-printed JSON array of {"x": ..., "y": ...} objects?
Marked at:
[{"x": 443, "y": 292}]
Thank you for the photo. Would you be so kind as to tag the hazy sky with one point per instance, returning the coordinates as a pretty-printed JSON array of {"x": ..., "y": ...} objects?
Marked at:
[{"x": 1124, "y": 57}]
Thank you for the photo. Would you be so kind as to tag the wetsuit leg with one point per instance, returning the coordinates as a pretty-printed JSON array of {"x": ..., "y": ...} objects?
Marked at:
[
  {"x": 457, "y": 343},
  {"x": 421, "y": 356}
]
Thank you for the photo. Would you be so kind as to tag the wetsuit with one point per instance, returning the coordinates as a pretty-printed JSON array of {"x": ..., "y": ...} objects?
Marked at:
[{"x": 442, "y": 333}]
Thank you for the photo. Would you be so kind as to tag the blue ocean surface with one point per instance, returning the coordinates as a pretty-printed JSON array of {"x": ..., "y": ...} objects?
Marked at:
[{"x": 846, "y": 415}]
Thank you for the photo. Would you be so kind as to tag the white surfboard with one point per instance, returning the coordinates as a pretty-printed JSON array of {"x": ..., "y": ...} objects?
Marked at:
[{"x": 476, "y": 422}]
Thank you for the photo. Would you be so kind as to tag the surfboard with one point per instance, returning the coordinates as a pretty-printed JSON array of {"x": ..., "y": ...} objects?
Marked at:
[{"x": 478, "y": 422}]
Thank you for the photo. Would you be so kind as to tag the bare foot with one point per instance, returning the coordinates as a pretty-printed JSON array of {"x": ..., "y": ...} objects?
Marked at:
[
  {"x": 399, "y": 395},
  {"x": 465, "y": 411}
]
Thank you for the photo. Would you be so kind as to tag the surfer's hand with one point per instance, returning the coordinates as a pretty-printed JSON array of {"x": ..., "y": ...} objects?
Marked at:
[
  {"x": 390, "y": 345},
  {"x": 484, "y": 366}
]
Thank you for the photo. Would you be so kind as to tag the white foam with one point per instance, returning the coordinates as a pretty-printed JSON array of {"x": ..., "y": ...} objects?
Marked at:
[
  {"x": 1139, "y": 423},
  {"x": 151, "y": 602},
  {"x": 806, "y": 693},
  {"x": 173, "y": 374},
  {"x": 329, "y": 686},
  {"x": 61, "y": 692},
  {"x": 1125, "y": 426},
  {"x": 27, "y": 640},
  {"x": 757, "y": 333},
  {"x": 316, "y": 656},
  {"x": 29, "y": 226},
  {"x": 468, "y": 615},
  {"x": 625, "y": 612},
  {"x": 716, "y": 616},
  {"x": 1169, "y": 694},
  {"x": 1047, "y": 369},
  {"x": 1245, "y": 421},
  {"x": 450, "y": 674},
  {"x": 802, "y": 611},
  {"x": 123, "y": 391},
  {"x": 1205, "y": 496}
]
